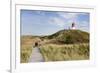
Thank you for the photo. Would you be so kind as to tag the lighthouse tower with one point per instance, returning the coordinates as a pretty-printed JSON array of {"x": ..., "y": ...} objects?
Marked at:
[{"x": 73, "y": 26}]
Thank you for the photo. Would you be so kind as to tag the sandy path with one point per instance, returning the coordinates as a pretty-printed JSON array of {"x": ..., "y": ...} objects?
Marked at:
[{"x": 36, "y": 56}]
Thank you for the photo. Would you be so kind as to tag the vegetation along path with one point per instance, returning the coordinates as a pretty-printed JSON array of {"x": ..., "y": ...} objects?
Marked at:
[{"x": 36, "y": 56}]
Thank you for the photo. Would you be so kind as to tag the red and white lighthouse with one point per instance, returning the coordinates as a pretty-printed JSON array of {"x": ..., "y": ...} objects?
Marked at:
[{"x": 73, "y": 26}]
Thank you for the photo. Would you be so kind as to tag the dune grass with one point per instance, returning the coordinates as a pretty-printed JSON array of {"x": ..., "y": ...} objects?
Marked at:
[
  {"x": 26, "y": 51},
  {"x": 54, "y": 52}
]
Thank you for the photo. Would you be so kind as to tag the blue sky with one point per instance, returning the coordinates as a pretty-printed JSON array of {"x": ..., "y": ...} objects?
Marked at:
[{"x": 36, "y": 22}]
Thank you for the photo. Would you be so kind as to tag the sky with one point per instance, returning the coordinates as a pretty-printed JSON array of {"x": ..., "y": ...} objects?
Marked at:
[{"x": 39, "y": 22}]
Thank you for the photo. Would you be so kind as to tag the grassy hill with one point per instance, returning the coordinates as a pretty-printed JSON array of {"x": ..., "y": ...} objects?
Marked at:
[{"x": 69, "y": 37}]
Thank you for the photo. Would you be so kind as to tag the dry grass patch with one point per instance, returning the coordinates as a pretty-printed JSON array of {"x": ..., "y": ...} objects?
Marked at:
[{"x": 54, "y": 52}]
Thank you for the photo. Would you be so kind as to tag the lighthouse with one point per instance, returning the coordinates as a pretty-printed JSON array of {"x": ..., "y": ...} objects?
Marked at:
[{"x": 73, "y": 26}]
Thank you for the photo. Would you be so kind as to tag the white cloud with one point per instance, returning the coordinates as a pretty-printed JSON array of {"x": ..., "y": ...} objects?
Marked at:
[
  {"x": 68, "y": 16},
  {"x": 58, "y": 21}
]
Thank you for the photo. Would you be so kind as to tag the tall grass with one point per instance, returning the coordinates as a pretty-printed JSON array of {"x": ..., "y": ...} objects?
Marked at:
[
  {"x": 26, "y": 51},
  {"x": 54, "y": 52}
]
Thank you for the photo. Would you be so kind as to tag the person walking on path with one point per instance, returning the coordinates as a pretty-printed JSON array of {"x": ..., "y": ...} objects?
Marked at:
[{"x": 36, "y": 55}]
